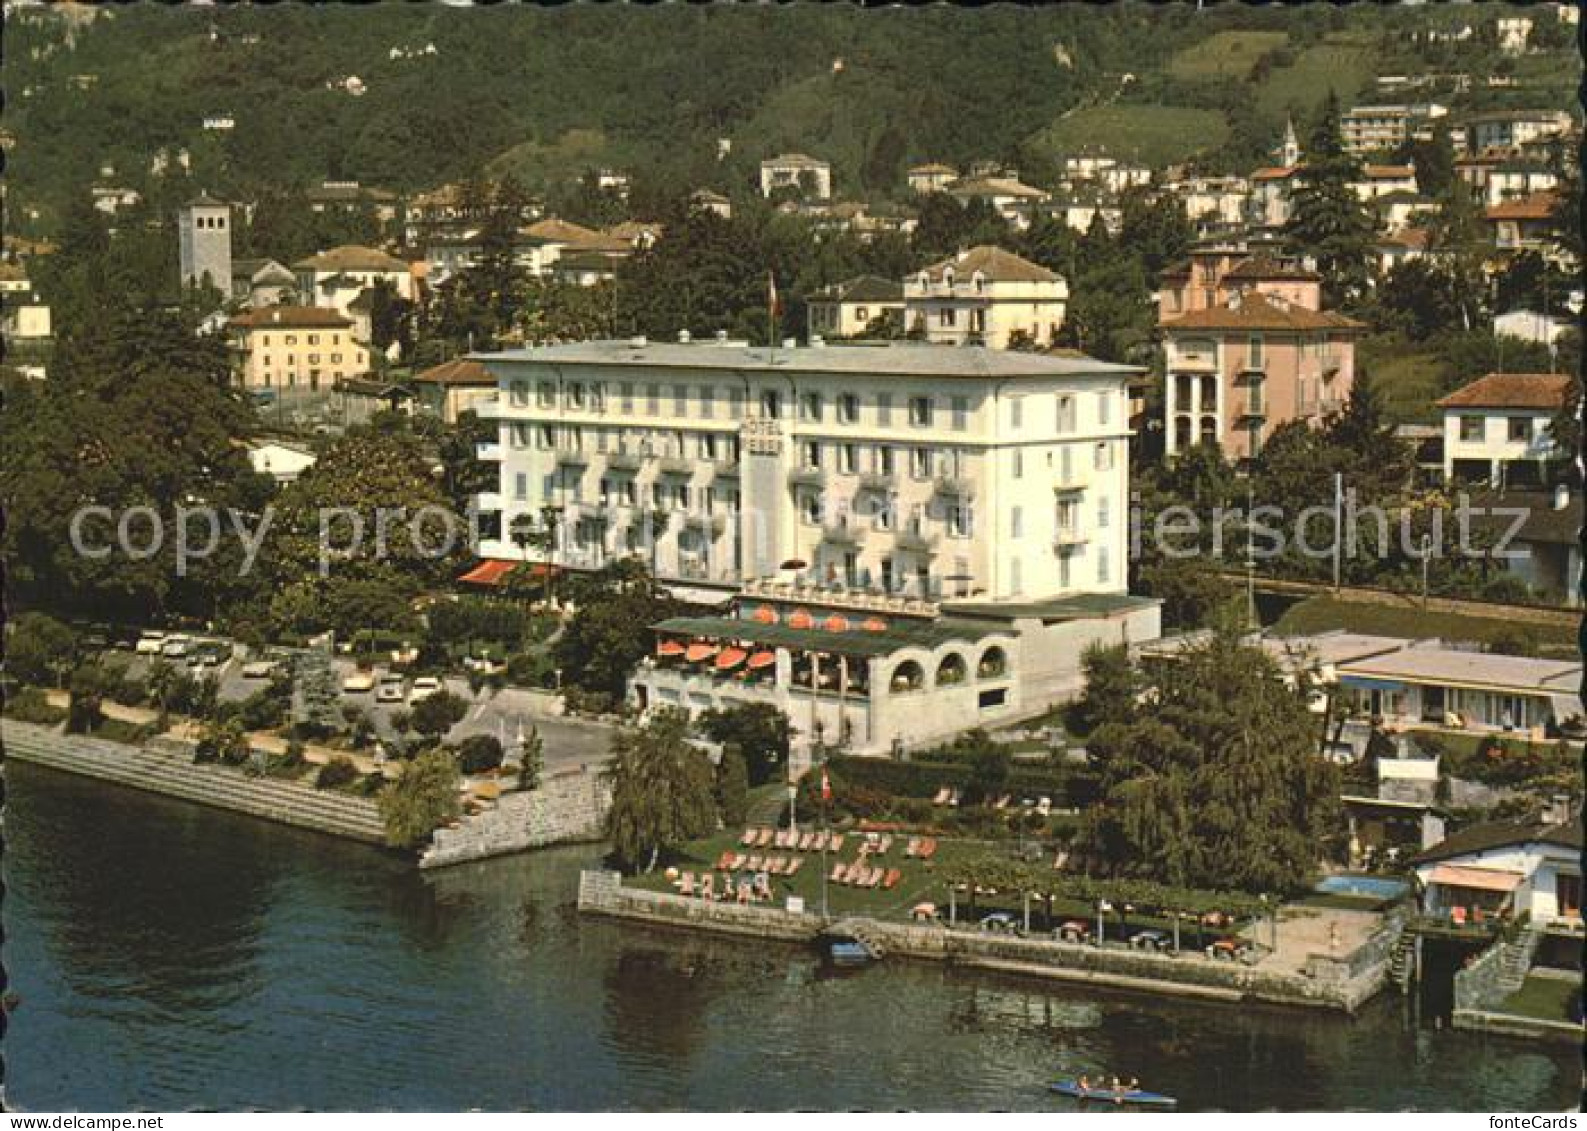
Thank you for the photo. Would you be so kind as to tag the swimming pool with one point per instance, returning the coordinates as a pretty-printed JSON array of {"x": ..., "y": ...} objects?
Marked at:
[{"x": 1375, "y": 887}]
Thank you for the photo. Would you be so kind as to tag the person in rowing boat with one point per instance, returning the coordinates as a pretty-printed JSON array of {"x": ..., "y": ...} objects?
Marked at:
[
  {"x": 1118, "y": 1091},
  {"x": 1085, "y": 1085}
]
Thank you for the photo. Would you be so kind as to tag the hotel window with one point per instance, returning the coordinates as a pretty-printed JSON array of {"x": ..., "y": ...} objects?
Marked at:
[
  {"x": 627, "y": 396},
  {"x": 884, "y": 513},
  {"x": 630, "y": 492},
  {"x": 959, "y": 521},
  {"x": 336, "y": 359},
  {"x": 707, "y": 402},
  {"x": 314, "y": 339},
  {"x": 708, "y": 446},
  {"x": 1471, "y": 428},
  {"x": 848, "y": 409},
  {"x": 680, "y": 400},
  {"x": 576, "y": 397},
  {"x": 653, "y": 399},
  {"x": 735, "y": 403},
  {"x": 597, "y": 397},
  {"x": 1063, "y": 572},
  {"x": 518, "y": 435},
  {"x": 1102, "y": 565},
  {"x": 961, "y": 413},
  {"x": 771, "y": 405},
  {"x": 848, "y": 458},
  {"x": 812, "y": 454},
  {"x": 1103, "y": 458},
  {"x": 292, "y": 339},
  {"x": 1254, "y": 351},
  {"x": 947, "y": 317},
  {"x": 1066, "y": 413},
  {"x": 810, "y": 507},
  {"x": 1016, "y": 413},
  {"x": 546, "y": 394},
  {"x": 264, "y": 339},
  {"x": 1015, "y": 580},
  {"x": 920, "y": 412},
  {"x": 1104, "y": 408},
  {"x": 920, "y": 463},
  {"x": 1016, "y": 522},
  {"x": 1520, "y": 429},
  {"x": 1017, "y": 459},
  {"x": 884, "y": 461},
  {"x": 518, "y": 393},
  {"x": 810, "y": 407},
  {"x": 1104, "y": 512},
  {"x": 520, "y": 486},
  {"x": 884, "y": 409},
  {"x": 547, "y": 438}
]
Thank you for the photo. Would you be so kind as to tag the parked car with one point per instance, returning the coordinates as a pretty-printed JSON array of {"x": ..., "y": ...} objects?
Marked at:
[
  {"x": 1001, "y": 922},
  {"x": 176, "y": 647},
  {"x": 392, "y": 689},
  {"x": 209, "y": 654},
  {"x": 1159, "y": 941},
  {"x": 424, "y": 687},
  {"x": 358, "y": 683},
  {"x": 1073, "y": 931},
  {"x": 150, "y": 643},
  {"x": 1232, "y": 950}
]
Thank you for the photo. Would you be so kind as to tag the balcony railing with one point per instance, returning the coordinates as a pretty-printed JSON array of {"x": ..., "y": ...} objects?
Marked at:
[
  {"x": 840, "y": 534},
  {"x": 624, "y": 461},
  {"x": 955, "y": 486},
  {"x": 1069, "y": 538},
  {"x": 1071, "y": 479},
  {"x": 676, "y": 465},
  {"x": 572, "y": 457},
  {"x": 916, "y": 541},
  {"x": 714, "y": 524},
  {"x": 877, "y": 481},
  {"x": 726, "y": 468},
  {"x": 807, "y": 477}
]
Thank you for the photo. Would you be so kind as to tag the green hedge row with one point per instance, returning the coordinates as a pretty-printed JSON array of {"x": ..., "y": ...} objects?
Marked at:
[{"x": 925, "y": 779}]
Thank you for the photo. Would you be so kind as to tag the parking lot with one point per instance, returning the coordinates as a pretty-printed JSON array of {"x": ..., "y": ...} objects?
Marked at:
[{"x": 503, "y": 713}]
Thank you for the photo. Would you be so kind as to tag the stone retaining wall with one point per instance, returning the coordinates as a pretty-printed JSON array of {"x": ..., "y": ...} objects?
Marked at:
[
  {"x": 1514, "y": 1025},
  {"x": 568, "y": 806},
  {"x": 1185, "y": 974}
]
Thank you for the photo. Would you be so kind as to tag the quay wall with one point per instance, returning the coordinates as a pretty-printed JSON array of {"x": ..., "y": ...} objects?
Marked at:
[
  {"x": 569, "y": 806},
  {"x": 165, "y": 766},
  {"x": 1327, "y": 984}
]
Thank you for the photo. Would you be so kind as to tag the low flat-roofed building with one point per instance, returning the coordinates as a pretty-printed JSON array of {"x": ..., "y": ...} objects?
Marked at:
[
  {"x": 1526, "y": 867},
  {"x": 1428, "y": 683}
]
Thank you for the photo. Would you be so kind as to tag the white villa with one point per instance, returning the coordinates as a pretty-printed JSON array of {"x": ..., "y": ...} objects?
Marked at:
[{"x": 984, "y": 296}]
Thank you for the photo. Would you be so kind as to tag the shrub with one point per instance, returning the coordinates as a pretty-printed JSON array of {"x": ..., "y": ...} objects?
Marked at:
[
  {"x": 421, "y": 800},
  {"x": 582, "y": 702},
  {"x": 336, "y": 773},
  {"x": 31, "y": 705},
  {"x": 531, "y": 669},
  {"x": 40, "y": 649},
  {"x": 222, "y": 740},
  {"x": 435, "y": 715},
  {"x": 478, "y": 753},
  {"x": 732, "y": 787}
]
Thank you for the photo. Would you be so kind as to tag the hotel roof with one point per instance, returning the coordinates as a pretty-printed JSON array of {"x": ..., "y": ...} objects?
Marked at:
[{"x": 902, "y": 359}]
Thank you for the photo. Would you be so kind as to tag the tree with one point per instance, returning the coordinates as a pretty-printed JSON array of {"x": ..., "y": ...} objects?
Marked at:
[
  {"x": 40, "y": 649},
  {"x": 662, "y": 790},
  {"x": 436, "y": 714},
  {"x": 1458, "y": 239},
  {"x": 1220, "y": 782},
  {"x": 604, "y": 639},
  {"x": 1110, "y": 691},
  {"x": 84, "y": 710},
  {"x": 732, "y": 788},
  {"x": 758, "y": 731},
  {"x": 1327, "y": 220},
  {"x": 479, "y": 753},
  {"x": 532, "y": 760},
  {"x": 421, "y": 800}
]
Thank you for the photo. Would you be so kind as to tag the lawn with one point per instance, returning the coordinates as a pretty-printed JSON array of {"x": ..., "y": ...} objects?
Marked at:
[
  {"x": 1226, "y": 55},
  {"x": 1546, "y": 998},
  {"x": 1319, "y": 614},
  {"x": 1344, "y": 68},
  {"x": 1151, "y": 133}
]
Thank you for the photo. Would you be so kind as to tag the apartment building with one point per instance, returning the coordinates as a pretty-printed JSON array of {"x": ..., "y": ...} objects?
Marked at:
[
  {"x": 1247, "y": 349},
  {"x": 299, "y": 348},
  {"x": 985, "y": 296},
  {"x": 1381, "y": 129},
  {"x": 930, "y": 177},
  {"x": 1509, "y": 129},
  {"x": 949, "y": 496},
  {"x": 1497, "y": 428}
]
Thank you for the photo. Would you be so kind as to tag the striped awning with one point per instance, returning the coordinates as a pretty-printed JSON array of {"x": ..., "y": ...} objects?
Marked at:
[
  {"x": 670, "y": 648},
  {"x": 730, "y": 659},
  {"x": 762, "y": 660},
  {"x": 698, "y": 652},
  {"x": 1481, "y": 879}
]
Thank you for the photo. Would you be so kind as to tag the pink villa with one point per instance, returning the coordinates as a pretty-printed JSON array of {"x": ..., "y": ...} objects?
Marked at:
[{"x": 1247, "y": 349}]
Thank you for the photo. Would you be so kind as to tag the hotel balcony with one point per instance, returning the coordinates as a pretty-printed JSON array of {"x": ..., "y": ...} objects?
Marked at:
[
  {"x": 487, "y": 501},
  {"x": 572, "y": 457},
  {"x": 1254, "y": 408},
  {"x": 714, "y": 524},
  {"x": 841, "y": 534},
  {"x": 675, "y": 465},
  {"x": 624, "y": 461},
  {"x": 490, "y": 453},
  {"x": 916, "y": 542},
  {"x": 877, "y": 481},
  {"x": 1068, "y": 538},
  {"x": 807, "y": 477},
  {"x": 1070, "y": 479},
  {"x": 726, "y": 468},
  {"x": 955, "y": 487}
]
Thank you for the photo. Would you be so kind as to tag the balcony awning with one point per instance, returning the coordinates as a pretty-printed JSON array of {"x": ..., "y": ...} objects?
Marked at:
[
  {"x": 762, "y": 660},
  {"x": 670, "y": 648},
  {"x": 698, "y": 652},
  {"x": 1366, "y": 683},
  {"x": 1480, "y": 879},
  {"x": 489, "y": 572},
  {"x": 730, "y": 659}
]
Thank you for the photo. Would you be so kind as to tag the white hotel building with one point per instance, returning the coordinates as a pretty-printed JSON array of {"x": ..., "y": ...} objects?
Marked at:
[{"x": 882, "y": 520}]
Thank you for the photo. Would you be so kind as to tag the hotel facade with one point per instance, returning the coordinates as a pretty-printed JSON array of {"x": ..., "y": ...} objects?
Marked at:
[{"x": 869, "y": 522}]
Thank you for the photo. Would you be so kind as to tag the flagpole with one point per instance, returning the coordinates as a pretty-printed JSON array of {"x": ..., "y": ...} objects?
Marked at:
[{"x": 825, "y": 794}]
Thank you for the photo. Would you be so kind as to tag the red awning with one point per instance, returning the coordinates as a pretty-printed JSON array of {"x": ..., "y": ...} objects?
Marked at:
[
  {"x": 874, "y": 624},
  {"x": 766, "y": 615},
  {"x": 698, "y": 652},
  {"x": 836, "y": 623},
  {"x": 489, "y": 572},
  {"x": 762, "y": 660},
  {"x": 730, "y": 659},
  {"x": 1481, "y": 879},
  {"x": 799, "y": 619},
  {"x": 670, "y": 648}
]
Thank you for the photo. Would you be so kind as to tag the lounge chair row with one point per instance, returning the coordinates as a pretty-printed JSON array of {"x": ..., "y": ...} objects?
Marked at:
[
  {"x": 731, "y": 861},
  {"x": 861, "y": 875},
  {"x": 920, "y": 847},
  {"x": 791, "y": 839},
  {"x": 744, "y": 891}
]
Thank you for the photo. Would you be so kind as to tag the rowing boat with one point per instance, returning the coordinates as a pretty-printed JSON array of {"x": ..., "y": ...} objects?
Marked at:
[{"x": 1132, "y": 1096}]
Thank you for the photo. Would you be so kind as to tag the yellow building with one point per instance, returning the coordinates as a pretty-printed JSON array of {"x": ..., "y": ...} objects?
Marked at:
[{"x": 296, "y": 347}]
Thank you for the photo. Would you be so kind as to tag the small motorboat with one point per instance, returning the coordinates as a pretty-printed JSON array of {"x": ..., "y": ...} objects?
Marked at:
[
  {"x": 1132, "y": 1096},
  {"x": 850, "y": 953}
]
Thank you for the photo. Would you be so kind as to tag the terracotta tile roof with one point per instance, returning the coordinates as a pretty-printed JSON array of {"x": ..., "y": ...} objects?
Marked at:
[
  {"x": 292, "y": 317},
  {"x": 463, "y": 371},
  {"x": 1255, "y": 311},
  {"x": 934, "y": 167},
  {"x": 631, "y": 230},
  {"x": 997, "y": 265},
  {"x": 351, "y": 257},
  {"x": 993, "y": 186},
  {"x": 863, "y": 288},
  {"x": 1538, "y": 206},
  {"x": 1511, "y": 390},
  {"x": 555, "y": 230},
  {"x": 1275, "y": 173},
  {"x": 1266, "y": 267},
  {"x": 1414, "y": 238}
]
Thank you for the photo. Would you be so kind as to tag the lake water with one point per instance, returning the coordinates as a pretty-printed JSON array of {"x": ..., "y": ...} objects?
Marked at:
[{"x": 169, "y": 956}]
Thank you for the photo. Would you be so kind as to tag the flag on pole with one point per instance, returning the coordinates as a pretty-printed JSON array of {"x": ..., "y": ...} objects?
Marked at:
[
  {"x": 773, "y": 303},
  {"x": 826, "y": 788}
]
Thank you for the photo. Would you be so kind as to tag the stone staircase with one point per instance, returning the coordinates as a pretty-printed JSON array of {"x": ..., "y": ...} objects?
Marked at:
[
  {"x": 1516, "y": 959},
  {"x": 167, "y": 768},
  {"x": 858, "y": 930},
  {"x": 1402, "y": 960}
]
